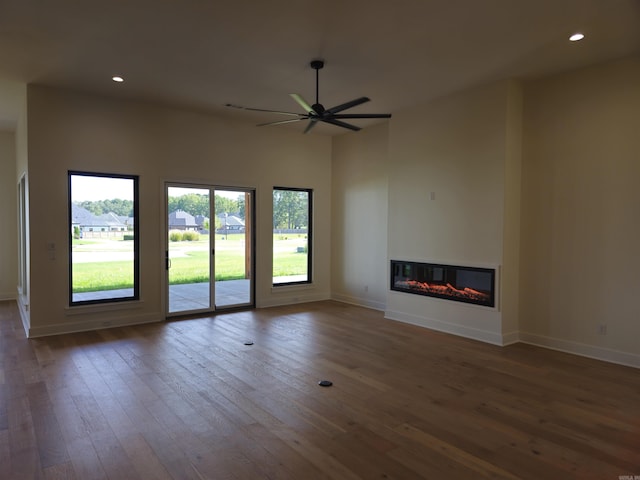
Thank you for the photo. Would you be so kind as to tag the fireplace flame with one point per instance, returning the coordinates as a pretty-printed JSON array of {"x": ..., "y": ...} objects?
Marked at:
[{"x": 444, "y": 290}]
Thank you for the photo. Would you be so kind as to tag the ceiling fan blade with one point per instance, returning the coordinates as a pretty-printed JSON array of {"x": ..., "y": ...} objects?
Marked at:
[
  {"x": 362, "y": 115},
  {"x": 352, "y": 103},
  {"x": 338, "y": 123},
  {"x": 281, "y": 122},
  {"x": 262, "y": 110},
  {"x": 312, "y": 123},
  {"x": 303, "y": 103}
]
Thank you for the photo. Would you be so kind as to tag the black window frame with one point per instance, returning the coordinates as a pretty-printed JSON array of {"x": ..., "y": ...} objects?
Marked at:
[
  {"x": 136, "y": 238},
  {"x": 309, "y": 279}
]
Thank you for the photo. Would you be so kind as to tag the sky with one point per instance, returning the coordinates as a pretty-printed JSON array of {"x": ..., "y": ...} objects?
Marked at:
[
  {"x": 87, "y": 188},
  {"x": 179, "y": 191},
  {"x": 100, "y": 188}
]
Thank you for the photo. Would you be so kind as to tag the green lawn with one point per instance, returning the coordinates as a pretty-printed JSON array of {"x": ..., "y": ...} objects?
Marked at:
[
  {"x": 98, "y": 276},
  {"x": 194, "y": 267},
  {"x": 292, "y": 263},
  {"x": 188, "y": 265}
]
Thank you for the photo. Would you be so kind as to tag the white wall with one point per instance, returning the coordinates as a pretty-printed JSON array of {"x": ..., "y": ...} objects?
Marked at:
[
  {"x": 540, "y": 180},
  {"x": 359, "y": 217},
  {"x": 580, "y": 266},
  {"x": 454, "y": 149},
  {"x": 73, "y": 131},
  {"x": 8, "y": 217}
]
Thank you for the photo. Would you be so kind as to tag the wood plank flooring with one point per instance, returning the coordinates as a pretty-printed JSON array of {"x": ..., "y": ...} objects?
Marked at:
[{"x": 187, "y": 399}]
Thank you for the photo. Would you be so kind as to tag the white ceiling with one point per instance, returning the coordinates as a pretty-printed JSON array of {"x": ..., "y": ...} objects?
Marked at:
[{"x": 204, "y": 54}]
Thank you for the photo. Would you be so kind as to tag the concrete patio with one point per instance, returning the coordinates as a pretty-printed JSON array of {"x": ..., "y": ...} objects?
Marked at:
[
  {"x": 188, "y": 297},
  {"x": 195, "y": 296}
]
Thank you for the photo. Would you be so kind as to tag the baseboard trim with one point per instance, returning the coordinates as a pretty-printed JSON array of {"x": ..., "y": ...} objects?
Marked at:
[
  {"x": 293, "y": 297},
  {"x": 359, "y": 302},
  {"x": 446, "y": 327},
  {"x": 89, "y": 325},
  {"x": 510, "y": 338},
  {"x": 582, "y": 349},
  {"x": 6, "y": 296},
  {"x": 575, "y": 348},
  {"x": 25, "y": 317}
]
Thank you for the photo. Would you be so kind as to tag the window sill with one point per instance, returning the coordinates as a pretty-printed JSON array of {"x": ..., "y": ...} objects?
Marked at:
[
  {"x": 285, "y": 287},
  {"x": 103, "y": 307}
]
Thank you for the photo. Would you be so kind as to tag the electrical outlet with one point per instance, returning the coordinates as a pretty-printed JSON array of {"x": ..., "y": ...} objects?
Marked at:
[{"x": 602, "y": 329}]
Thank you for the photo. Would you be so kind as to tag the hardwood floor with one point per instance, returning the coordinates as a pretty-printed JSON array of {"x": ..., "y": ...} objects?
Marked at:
[{"x": 188, "y": 399}]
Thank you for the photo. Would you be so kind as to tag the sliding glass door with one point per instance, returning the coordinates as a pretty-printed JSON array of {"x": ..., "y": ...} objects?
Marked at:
[
  {"x": 233, "y": 259},
  {"x": 209, "y": 239}
]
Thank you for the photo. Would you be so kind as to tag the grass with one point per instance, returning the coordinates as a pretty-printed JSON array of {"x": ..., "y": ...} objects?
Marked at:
[
  {"x": 285, "y": 264},
  {"x": 98, "y": 276},
  {"x": 190, "y": 265},
  {"x": 194, "y": 267}
]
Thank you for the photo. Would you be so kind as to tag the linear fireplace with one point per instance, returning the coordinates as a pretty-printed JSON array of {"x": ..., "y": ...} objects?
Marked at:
[{"x": 461, "y": 284}]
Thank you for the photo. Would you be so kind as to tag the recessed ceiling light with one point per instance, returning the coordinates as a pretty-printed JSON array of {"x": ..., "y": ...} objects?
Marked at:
[
  {"x": 576, "y": 37},
  {"x": 117, "y": 79}
]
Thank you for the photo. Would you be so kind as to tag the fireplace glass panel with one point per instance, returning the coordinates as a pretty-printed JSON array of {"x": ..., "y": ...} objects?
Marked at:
[{"x": 458, "y": 283}]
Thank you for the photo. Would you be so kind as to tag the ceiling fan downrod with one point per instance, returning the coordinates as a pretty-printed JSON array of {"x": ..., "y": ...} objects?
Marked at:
[{"x": 317, "y": 65}]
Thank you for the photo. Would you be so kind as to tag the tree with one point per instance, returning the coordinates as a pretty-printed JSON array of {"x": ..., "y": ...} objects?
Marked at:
[
  {"x": 290, "y": 209},
  {"x": 225, "y": 205},
  {"x": 198, "y": 204},
  {"x": 123, "y": 208},
  {"x": 192, "y": 203},
  {"x": 241, "y": 206}
]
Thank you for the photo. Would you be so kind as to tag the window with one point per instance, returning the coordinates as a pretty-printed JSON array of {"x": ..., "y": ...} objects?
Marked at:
[
  {"x": 103, "y": 238},
  {"x": 291, "y": 236}
]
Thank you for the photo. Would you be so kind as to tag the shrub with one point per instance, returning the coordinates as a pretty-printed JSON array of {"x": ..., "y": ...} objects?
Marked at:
[
  {"x": 190, "y": 236},
  {"x": 127, "y": 237},
  {"x": 175, "y": 235}
]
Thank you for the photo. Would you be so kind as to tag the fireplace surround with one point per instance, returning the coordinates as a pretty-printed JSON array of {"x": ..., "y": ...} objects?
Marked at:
[{"x": 452, "y": 282}]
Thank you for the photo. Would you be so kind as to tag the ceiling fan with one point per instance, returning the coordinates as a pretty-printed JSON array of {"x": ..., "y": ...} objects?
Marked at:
[{"x": 316, "y": 112}]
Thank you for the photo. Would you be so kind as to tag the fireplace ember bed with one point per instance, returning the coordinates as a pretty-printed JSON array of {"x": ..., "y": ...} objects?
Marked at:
[{"x": 460, "y": 284}]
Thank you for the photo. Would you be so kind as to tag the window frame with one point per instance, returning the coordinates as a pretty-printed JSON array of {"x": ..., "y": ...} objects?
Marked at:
[
  {"x": 309, "y": 279},
  {"x": 23, "y": 210},
  {"x": 136, "y": 238}
]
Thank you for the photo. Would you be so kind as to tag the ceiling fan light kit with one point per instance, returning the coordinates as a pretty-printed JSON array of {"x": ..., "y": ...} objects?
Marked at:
[{"x": 317, "y": 113}]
